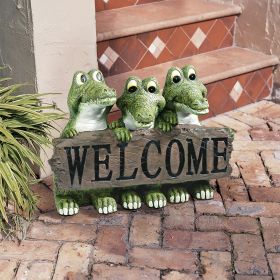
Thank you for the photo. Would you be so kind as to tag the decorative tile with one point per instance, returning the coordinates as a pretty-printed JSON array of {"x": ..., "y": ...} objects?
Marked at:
[
  {"x": 119, "y": 67},
  {"x": 236, "y": 91},
  {"x": 198, "y": 38},
  {"x": 220, "y": 92},
  {"x": 217, "y": 34},
  {"x": 108, "y": 58},
  {"x": 99, "y": 5},
  {"x": 133, "y": 52},
  {"x": 155, "y": 47},
  {"x": 178, "y": 42}
]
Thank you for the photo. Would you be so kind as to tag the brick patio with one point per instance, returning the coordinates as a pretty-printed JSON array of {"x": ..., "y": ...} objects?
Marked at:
[{"x": 234, "y": 236}]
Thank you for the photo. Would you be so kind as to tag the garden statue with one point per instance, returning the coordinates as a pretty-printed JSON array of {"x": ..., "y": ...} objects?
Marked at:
[
  {"x": 185, "y": 97},
  {"x": 89, "y": 102},
  {"x": 97, "y": 166},
  {"x": 140, "y": 104}
]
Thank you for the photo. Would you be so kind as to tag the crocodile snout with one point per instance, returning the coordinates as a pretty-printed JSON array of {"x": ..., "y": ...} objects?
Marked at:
[{"x": 144, "y": 117}]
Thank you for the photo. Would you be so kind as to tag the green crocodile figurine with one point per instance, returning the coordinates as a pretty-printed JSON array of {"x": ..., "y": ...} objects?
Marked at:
[
  {"x": 140, "y": 104},
  {"x": 186, "y": 98},
  {"x": 89, "y": 102}
]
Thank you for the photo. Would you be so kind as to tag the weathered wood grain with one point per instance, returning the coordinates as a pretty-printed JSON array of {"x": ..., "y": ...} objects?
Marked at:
[{"x": 151, "y": 157}]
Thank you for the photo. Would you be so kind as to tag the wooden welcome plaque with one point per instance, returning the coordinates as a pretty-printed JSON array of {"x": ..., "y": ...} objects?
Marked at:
[{"x": 97, "y": 160}]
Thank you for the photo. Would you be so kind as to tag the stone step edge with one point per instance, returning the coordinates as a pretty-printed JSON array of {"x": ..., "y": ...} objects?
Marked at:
[
  {"x": 271, "y": 60},
  {"x": 229, "y": 10}
]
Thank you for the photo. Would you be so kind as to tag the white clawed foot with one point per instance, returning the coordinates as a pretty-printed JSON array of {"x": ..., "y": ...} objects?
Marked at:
[
  {"x": 204, "y": 193},
  {"x": 105, "y": 205},
  {"x": 131, "y": 200},
  {"x": 178, "y": 195},
  {"x": 67, "y": 207},
  {"x": 156, "y": 200}
]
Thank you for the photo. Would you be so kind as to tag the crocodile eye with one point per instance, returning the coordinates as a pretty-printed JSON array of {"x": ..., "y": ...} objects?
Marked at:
[
  {"x": 192, "y": 74},
  {"x": 97, "y": 76},
  {"x": 176, "y": 76},
  {"x": 81, "y": 79},
  {"x": 152, "y": 87},
  {"x": 132, "y": 86}
]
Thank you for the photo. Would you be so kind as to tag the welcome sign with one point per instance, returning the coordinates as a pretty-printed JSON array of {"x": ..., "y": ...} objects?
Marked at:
[{"x": 97, "y": 160}]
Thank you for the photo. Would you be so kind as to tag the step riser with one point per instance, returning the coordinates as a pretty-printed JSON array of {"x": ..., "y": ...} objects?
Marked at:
[
  {"x": 151, "y": 48},
  {"x": 233, "y": 93},
  {"x": 238, "y": 91},
  {"x": 101, "y": 5}
]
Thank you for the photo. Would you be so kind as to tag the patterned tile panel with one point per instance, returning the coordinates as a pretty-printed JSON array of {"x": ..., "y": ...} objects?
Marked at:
[
  {"x": 101, "y": 5},
  {"x": 235, "y": 92},
  {"x": 155, "y": 47}
]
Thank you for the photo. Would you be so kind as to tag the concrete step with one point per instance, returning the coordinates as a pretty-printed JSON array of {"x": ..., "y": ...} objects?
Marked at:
[
  {"x": 160, "y": 32},
  {"x": 234, "y": 76},
  {"x": 131, "y": 20},
  {"x": 102, "y": 5}
]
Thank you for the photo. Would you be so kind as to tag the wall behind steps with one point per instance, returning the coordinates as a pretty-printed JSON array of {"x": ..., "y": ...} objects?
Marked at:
[
  {"x": 64, "y": 35},
  {"x": 43, "y": 42},
  {"x": 258, "y": 28},
  {"x": 16, "y": 42}
]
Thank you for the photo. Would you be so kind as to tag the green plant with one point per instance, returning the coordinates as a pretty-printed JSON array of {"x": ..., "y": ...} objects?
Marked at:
[{"x": 25, "y": 125}]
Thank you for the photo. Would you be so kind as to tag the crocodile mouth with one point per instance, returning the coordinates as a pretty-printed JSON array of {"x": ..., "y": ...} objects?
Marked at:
[
  {"x": 185, "y": 108},
  {"x": 132, "y": 122},
  {"x": 108, "y": 101}
]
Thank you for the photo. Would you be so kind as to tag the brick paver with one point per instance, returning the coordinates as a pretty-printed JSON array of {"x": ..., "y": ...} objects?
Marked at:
[
  {"x": 35, "y": 270},
  {"x": 110, "y": 272},
  {"x": 274, "y": 261},
  {"x": 67, "y": 232},
  {"x": 249, "y": 254},
  {"x": 111, "y": 244},
  {"x": 216, "y": 265},
  {"x": 175, "y": 275},
  {"x": 73, "y": 261},
  {"x": 271, "y": 234},
  {"x": 252, "y": 277},
  {"x": 29, "y": 250},
  {"x": 233, "y": 189},
  {"x": 213, "y": 206},
  {"x": 234, "y": 236},
  {"x": 229, "y": 224},
  {"x": 8, "y": 268},
  {"x": 263, "y": 194},
  {"x": 253, "y": 209},
  {"x": 179, "y": 216},
  {"x": 145, "y": 230},
  {"x": 164, "y": 259},
  {"x": 196, "y": 240}
]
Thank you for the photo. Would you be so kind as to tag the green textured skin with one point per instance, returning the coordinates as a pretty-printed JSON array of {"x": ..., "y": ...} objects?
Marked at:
[
  {"x": 189, "y": 96},
  {"x": 96, "y": 92},
  {"x": 142, "y": 107}
]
